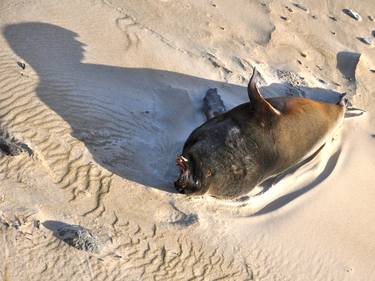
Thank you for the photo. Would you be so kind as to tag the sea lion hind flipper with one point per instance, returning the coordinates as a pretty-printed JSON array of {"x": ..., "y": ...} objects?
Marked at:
[
  {"x": 343, "y": 100},
  {"x": 256, "y": 99}
]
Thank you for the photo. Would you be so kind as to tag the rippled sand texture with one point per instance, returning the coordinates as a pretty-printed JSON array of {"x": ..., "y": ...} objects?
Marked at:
[{"x": 98, "y": 97}]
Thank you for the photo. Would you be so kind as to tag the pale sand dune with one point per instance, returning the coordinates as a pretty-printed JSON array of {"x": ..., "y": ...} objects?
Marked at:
[{"x": 108, "y": 94}]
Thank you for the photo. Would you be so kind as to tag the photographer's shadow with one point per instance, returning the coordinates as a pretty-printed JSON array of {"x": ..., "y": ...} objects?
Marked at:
[{"x": 133, "y": 121}]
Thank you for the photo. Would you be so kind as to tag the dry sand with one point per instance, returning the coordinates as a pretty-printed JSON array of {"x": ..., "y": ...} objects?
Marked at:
[{"x": 106, "y": 92}]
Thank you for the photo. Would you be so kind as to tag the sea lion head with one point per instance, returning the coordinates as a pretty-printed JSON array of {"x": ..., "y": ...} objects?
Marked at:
[{"x": 189, "y": 180}]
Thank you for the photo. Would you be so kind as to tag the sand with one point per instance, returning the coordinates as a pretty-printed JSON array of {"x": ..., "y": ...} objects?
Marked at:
[{"x": 104, "y": 94}]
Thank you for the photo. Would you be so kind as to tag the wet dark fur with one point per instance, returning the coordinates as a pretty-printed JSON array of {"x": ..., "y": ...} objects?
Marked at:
[{"x": 231, "y": 153}]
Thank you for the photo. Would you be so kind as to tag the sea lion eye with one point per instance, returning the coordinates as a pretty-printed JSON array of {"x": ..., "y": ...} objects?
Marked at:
[{"x": 208, "y": 173}]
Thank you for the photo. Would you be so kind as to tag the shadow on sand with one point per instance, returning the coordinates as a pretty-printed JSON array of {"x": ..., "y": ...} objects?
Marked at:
[
  {"x": 133, "y": 121},
  {"x": 73, "y": 235}
]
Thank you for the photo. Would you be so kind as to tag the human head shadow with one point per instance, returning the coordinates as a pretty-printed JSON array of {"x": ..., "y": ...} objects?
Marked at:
[{"x": 133, "y": 121}]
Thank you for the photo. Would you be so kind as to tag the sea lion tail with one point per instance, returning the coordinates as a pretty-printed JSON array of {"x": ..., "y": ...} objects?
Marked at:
[{"x": 256, "y": 99}]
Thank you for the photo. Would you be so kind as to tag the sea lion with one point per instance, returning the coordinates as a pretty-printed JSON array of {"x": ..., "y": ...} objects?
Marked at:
[{"x": 231, "y": 153}]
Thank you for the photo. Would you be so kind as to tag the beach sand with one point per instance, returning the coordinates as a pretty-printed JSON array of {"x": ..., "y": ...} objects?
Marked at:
[{"x": 99, "y": 97}]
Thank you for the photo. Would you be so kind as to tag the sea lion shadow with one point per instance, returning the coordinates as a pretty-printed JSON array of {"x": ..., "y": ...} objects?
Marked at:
[
  {"x": 133, "y": 121},
  {"x": 287, "y": 198}
]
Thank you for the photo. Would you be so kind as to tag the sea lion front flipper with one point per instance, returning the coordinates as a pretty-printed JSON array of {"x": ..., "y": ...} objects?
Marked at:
[
  {"x": 213, "y": 105},
  {"x": 256, "y": 99}
]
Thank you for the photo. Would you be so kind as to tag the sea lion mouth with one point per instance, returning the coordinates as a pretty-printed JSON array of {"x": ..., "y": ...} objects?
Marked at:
[
  {"x": 182, "y": 162},
  {"x": 182, "y": 181},
  {"x": 185, "y": 183}
]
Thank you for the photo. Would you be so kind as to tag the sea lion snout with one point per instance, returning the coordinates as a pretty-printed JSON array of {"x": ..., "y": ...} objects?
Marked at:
[{"x": 186, "y": 183}]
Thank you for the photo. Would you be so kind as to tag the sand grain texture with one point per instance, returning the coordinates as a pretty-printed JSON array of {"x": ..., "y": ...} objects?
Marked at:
[{"x": 104, "y": 93}]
